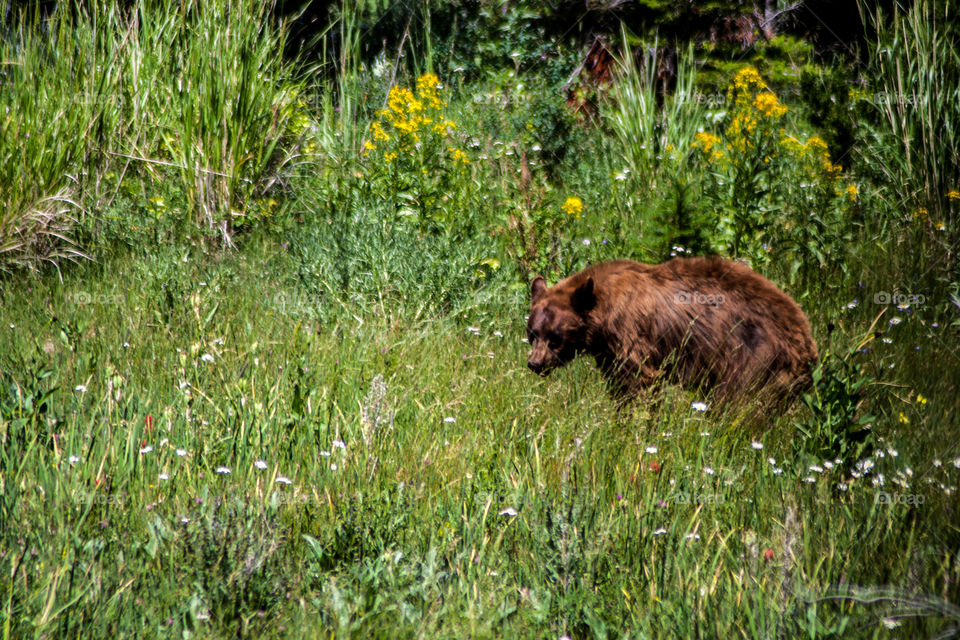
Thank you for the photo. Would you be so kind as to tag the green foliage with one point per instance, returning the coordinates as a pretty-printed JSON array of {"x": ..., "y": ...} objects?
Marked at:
[{"x": 837, "y": 426}]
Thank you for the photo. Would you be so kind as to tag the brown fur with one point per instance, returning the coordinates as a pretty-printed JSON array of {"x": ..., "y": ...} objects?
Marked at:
[{"x": 704, "y": 322}]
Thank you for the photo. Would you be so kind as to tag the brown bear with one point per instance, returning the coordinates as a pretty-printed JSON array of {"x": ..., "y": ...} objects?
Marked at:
[{"x": 709, "y": 323}]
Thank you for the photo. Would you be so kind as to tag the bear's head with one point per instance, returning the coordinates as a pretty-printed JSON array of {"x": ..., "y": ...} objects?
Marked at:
[{"x": 557, "y": 326}]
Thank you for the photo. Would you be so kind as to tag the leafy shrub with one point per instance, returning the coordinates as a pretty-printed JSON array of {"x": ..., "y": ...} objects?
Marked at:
[{"x": 837, "y": 426}]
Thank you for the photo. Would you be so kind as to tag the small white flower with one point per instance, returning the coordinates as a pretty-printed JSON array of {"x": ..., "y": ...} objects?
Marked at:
[
  {"x": 705, "y": 434},
  {"x": 284, "y": 480},
  {"x": 890, "y": 623},
  {"x": 509, "y": 511},
  {"x": 956, "y": 462},
  {"x": 339, "y": 444},
  {"x": 181, "y": 453},
  {"x": 842, "y": 486},
  {"x": 777, "y": 471},
  {"x": 699, "y": 406},
  {"x": 183, "y": 384},
  {"x": 756, "y": 444},
  {"x": 816, "y": 468},
  {"x": 73, "y": 459},
  {"x": 827, "y": 464},
  {"x": 535, "y": 147},
  {"x": 473, "y": 330},
  {"x": 708, "y": 470},
  {"x": 146, "y": 449},
  {"x": 164, "y": 476},
  {"x": 878, "y": 480},
  {"x": 223, "y": 470},
  {"x": 498, "y": 334},
  {"x": 772, "y": 462},
  {"x": 894, "y": 321},
  {"x": 260, "y": 464},
  {"x": 207, "y": 357},
  {"x": 450, "y": 419},
  {"x": 82, "y": 388},
  {"x": 325, "y": 454},
  {"x": 651, "y": 449},
  {"x": 693, "y": 536},
  {"x": 893, "y": 452},
  {"x": 937, "y": 463},
  {"x": 126, "y": 345},
  {"x": 586, "y": 242},
  {"x": 660, "y": 531},
  {"x": 184, "y": 520},
  {"x": 810, "y": 479},
  {"x": 333, "y": 467}
]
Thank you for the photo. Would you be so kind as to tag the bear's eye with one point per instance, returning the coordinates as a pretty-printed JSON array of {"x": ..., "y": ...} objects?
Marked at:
[{"x": 554, "y": 338}]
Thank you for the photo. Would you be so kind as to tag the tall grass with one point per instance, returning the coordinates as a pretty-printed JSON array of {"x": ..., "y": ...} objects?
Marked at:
[
  {"x": 916, "y": 94},
  {"x": 103, "y": 88},
  {"x": 55, "y": 112},
  {"x": 648, "y": 121}
]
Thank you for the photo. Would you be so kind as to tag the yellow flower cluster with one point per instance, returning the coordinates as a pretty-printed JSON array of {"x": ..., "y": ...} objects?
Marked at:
[
  {"x": 953, "y": 194},
  {"x": 459, "y": 157},
  {"x": 572, "y": 206},
  {"x": 708, "y": 144},
  {"x": 767, "y": 104},
  {"x": 753, "y": 106},
  {"x": 409, "y": 116},
  {"x": 814, "y": 157}
]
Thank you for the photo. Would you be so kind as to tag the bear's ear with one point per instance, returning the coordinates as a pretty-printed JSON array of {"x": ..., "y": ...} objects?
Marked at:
[
  {"x": 584, "y": 299},
  {"x": 537, "y": 288}
]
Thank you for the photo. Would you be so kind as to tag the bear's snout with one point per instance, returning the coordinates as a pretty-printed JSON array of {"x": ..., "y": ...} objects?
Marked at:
[{"x": 538, "y": 367}]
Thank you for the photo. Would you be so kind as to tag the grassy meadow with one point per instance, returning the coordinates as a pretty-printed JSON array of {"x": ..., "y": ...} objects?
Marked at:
[{"x": 262, "y": 326}]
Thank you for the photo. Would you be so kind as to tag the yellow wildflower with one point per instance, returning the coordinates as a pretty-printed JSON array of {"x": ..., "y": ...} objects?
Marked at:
[
  {"x": 573, "y": 206},
  {"x": 378, "y": 133},
  {"x": 459, "y": 157},
  {"x": 767, "y": 104},
  {"x": 953, "y": 194}
]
